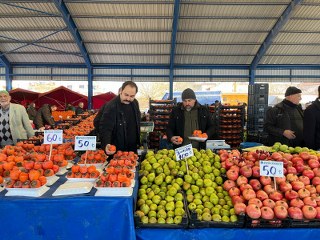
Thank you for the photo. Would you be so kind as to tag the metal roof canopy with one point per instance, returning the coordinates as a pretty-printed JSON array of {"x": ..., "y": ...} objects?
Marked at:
[{"x": 166, "y": 34}]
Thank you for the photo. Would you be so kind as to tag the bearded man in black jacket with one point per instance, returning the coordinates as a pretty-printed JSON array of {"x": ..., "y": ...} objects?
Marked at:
[
  {"x": 284, "y": 121},
  {"x": 120, "y": 121},
  {"x": 311, "y": 124}
]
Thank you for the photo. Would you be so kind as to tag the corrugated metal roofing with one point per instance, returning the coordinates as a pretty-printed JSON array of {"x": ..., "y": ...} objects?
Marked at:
[{"x": 132, "y": 32}]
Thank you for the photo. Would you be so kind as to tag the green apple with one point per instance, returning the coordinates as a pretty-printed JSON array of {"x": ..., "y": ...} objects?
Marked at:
[
  {"x": 209, "y": 191},
  {"x": 197, "y": 201},
  {"x": 178, "y": 197},
  {"x": 233, "y": 218},
  {"x": 144, "y": 180},
  {"x": 199, "y": 182},
  {"x": 139, "y": 213},
  {"x": 140, "y": 202},
  {"x": 192, "y": 206},
  {"x": 208, "y": 205},
  {"x": 207, "y": 182},
  {"x": 169, "y": 199},
  {"x": 162, "y": 213},
  {"x": 179, "y": 204},
  {"x": 197, "y": 196},
  {"x": 188, "y": 178},
  {"x": 214, "y": 199},
  {"x": 205, "y": 199},
  {"x": 194, "y": 189},
  {"x": 151, "y": 177},
  {"x": 225, "y": 219},
  {"x": 158, "y": 180}
]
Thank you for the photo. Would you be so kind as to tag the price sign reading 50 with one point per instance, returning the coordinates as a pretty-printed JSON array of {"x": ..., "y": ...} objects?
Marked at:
[
  {"x": 53, "y": 137},
  {"x": 84, "y": 143},
  {"x": 271, "y": 168}
]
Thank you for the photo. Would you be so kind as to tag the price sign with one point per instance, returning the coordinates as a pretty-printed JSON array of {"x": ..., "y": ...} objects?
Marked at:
[
  {"x": 53, "y": 137},
  {"x": 184, "y": 152},
  {"x": 271, "y": 168},
  {"x": 84, "y": 143}
]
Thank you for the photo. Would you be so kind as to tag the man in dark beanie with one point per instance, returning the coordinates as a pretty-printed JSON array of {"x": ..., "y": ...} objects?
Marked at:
[
  {"x": 311, "y": 124},
  {"x": 284, "y": 121},
  {"x": 187, "y": 117}
]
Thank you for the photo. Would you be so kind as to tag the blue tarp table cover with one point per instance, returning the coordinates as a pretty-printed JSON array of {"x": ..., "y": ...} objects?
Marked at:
[
  {"x": 67, "y": 217},
  {"x": 228, "y": 234}
]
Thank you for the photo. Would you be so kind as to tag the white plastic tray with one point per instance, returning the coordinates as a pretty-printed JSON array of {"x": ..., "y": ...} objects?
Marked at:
[
  {"x": 91, "y": 180},
  {"x": 114, "y": 191},
  {"x": 97, "y": 165},
  {"x": 71, "y": 188},
  {"x": 51, "y": 180},
  {"x": 27, "y": 192},
  {"x": 63, "y": 170},
  {"x": 198, "y": 139}
]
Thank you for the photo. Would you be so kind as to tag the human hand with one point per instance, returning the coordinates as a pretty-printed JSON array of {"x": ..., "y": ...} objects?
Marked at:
[
  {"x": 177, "y": 140},
  {"x": 289, "y": 134},
  {"x": 110, "y": 149}
]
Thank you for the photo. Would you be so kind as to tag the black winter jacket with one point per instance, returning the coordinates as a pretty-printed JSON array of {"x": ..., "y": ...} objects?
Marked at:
[
  {"x": 277, "y": 120},
  {"x": 311, "y": 125},
  {"x": 44, "y": 117},
  {"x": 176, "y": 122},
  {"x": 112, "y": 126}
]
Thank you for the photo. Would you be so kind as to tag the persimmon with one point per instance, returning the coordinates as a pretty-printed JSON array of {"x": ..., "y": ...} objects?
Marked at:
[
  {"x": 37, "y": 165},
  {"x": 47, "y": 165},
  {"x": 34, "y": 175},
  {"x": 91, "y": 169},
  {"x": 40, "y": 157},
  {"x": 23, "y": 177},
  {"x": 17, "y": 184},
  {"x": 43, "y": 180},
  {"x": 86, "y": 175},
  {"x": 26, "y": 184},
  {"x": 10, "y": 183},
  {"x": 78, "y": 175},
  {"x": 70, "y": 174},
  {"x": 204, "y": 135},
  {"x": 48, "y": 172},
  {"x": 104, "y": 176},
  {"x": 180, "y": 140},
  {"x": 122, "y": 177},
  {"x": 35, "y": 184},
  {"x": 113, "y": 177},
  {"x": 6, "y": 173},
  {"x": 83, "y": 169},
  {"x": 110, "y": 169},
  {"x": 108, "y": 184},
  {"x": 95, "y": 174},
  {"x": 1, "y": 179},
  {"x": 112, "y": 148},
  {"x": 41, "y": 171},
  {"x": 116, "y": 184},
  {"x": 196, "y": 133},
  {"x": 14, "y": 174}
]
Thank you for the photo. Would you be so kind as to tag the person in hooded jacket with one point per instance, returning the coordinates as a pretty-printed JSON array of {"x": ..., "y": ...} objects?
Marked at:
[
  {"x": 284, "y": 121},
  {"x": 187, "y": 117},
  {"x": 311, "y": 124}
]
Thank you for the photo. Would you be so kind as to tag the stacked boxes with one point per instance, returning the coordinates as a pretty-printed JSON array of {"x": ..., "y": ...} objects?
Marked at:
[{"x": 257, "y": 107}]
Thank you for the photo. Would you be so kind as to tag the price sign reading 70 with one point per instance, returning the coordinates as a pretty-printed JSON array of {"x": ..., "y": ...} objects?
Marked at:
[
  {"x": 84, "y": 143},
  {"x": 52, "y": 137},
  {"x": 271, "y": 168}
]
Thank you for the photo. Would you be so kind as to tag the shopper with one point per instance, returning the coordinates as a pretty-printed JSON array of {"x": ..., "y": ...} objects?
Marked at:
[
  {"x": 311, "y": 124},
  {"x": 31, "y": 110},
  {"x": 79, "y": 108},
  {"x": 44, "y": 117},
  {"x": 70, "y": 107},
  {"x": 284, "y": 121},
  {"x": 187, "y": 117},
  {"x": 14, "y": 121},
  {"x": 120, "y": 120}
]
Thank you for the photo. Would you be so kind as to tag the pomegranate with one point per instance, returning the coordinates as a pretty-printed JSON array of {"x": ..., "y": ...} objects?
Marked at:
[
  {"x": 267, "y": 213},
  {"x": 246, "y": 171},
  {"x": 228, "y": 184},
  {"x": 234, "y": 191},
  {"x": 239, "y": 208},
  {"x": 291, "y": 170},
  {"x": 280, "y": 179},
  {"x": 305, "y": 180},
  {"x": 255, "y": 201},
  {"x": 280, "y": 212},
  {"x": 304, "y": 155},
  {"x": 253, "y": 211},
  {"x": 303, "y": 193},
  {"x": 310, "y": 201},
  {"x": 232, "y": 175},
  {"x": 295, "y": 213},
  {"x": 255, "y": 184},
  {"x": 297, "y": 202},
  {"x": 285, "y": 186},
  {"x": 316, "y": 181},
  {"x": 308, "y": 173},
  {"x": 297, "y": 185},
  {"x": 248, "y": 194},
  {"x": 268, "y": 189},
  {"x": 244, "y": 186},
  {"x": 291, "y": 177},
  {"x": 282, "y": 203},
  {"x": 316, "y": 172},
  {"x": 318, "y": 212},
  {"x": 265, "y": 180},
  {"x": 237, "y": 199},
  {"x": 262, "y": 195},
  {"x": 269, "y": 203},
  {"x": 256, "y": 171},
  {"x": 241, "y": 179},
  {"x": 309, "y": 212},
  {"x": 313, "y": 163},
  {"x": 276, "y": 196},
  {"x": 291, "y": 194}
]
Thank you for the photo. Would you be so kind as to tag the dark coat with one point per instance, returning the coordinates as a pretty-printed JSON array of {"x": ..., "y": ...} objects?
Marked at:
[
  {"x": 79, "y": 110},
  {"x": 96, "y": 121},
  {"x": 32, "y": 112},
  {"x": 176, "y": 122},
  {"x": 44, "y": 117},
  {"x": 112, "y": 127},
  {"x": 311, "y": 125},
  {"x": 276, "y": 121}
]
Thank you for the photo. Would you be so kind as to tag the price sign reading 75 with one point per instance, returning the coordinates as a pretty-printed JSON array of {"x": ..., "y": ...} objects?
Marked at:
[
  {"x": 84, "y": 143},
  {"x": 53, "y": 137}
]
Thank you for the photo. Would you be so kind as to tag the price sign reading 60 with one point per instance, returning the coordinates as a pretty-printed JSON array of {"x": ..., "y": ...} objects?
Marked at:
[
  {"x": 53, "y": 137},
  {"x": 271, "y": 168},
  {"x": 84, "y": 143}
]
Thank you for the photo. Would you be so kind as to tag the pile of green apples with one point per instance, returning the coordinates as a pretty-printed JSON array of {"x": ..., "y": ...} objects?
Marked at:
[
  {"x": 162, "y": 180},
  {"x": 286, "y": 149}
]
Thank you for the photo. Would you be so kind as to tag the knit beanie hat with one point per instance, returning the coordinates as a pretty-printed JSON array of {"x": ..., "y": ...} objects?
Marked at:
[
  {"x": 292, "y": 91},
  {"x": 188, "y": 94},
  {"x": 4, "y": 91}
]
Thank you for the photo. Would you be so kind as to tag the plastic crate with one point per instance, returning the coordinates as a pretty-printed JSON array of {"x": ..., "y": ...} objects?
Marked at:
[
  {"x": 258, "y": 88},
  {"x": 313, "y": 223},
  {"x": 195, "y": 223},
  {"x": 257, "y": 109},
  {"x": 263, "y": 223},
  {"x": 258, "y": 99}
]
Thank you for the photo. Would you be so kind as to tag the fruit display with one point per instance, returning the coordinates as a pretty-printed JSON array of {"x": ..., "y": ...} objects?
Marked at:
[
  {"x": 199, "y": 134},
  {"x": 78, "y": 171},
  {"x": 97, "y": 156},
  {"x": 164, "y": 181},
  {"x": 274, "y": 201},
  {"x": 159, "y": 113}
]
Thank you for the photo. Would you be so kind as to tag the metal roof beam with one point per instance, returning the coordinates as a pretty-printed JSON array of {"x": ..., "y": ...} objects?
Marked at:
[
  {"x": 4, "y": 61},
  {"x": 29, "y": 9},
  {"x": 60, "y": 5},
  {"x": 173, "y": 44},
  {"x": 274, "y": 32}
]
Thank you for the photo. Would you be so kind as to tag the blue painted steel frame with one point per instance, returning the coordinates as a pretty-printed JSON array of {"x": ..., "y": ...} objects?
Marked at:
[
  {"x": 173, "y": 44},
  {"x": 271, "y": 36}
]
